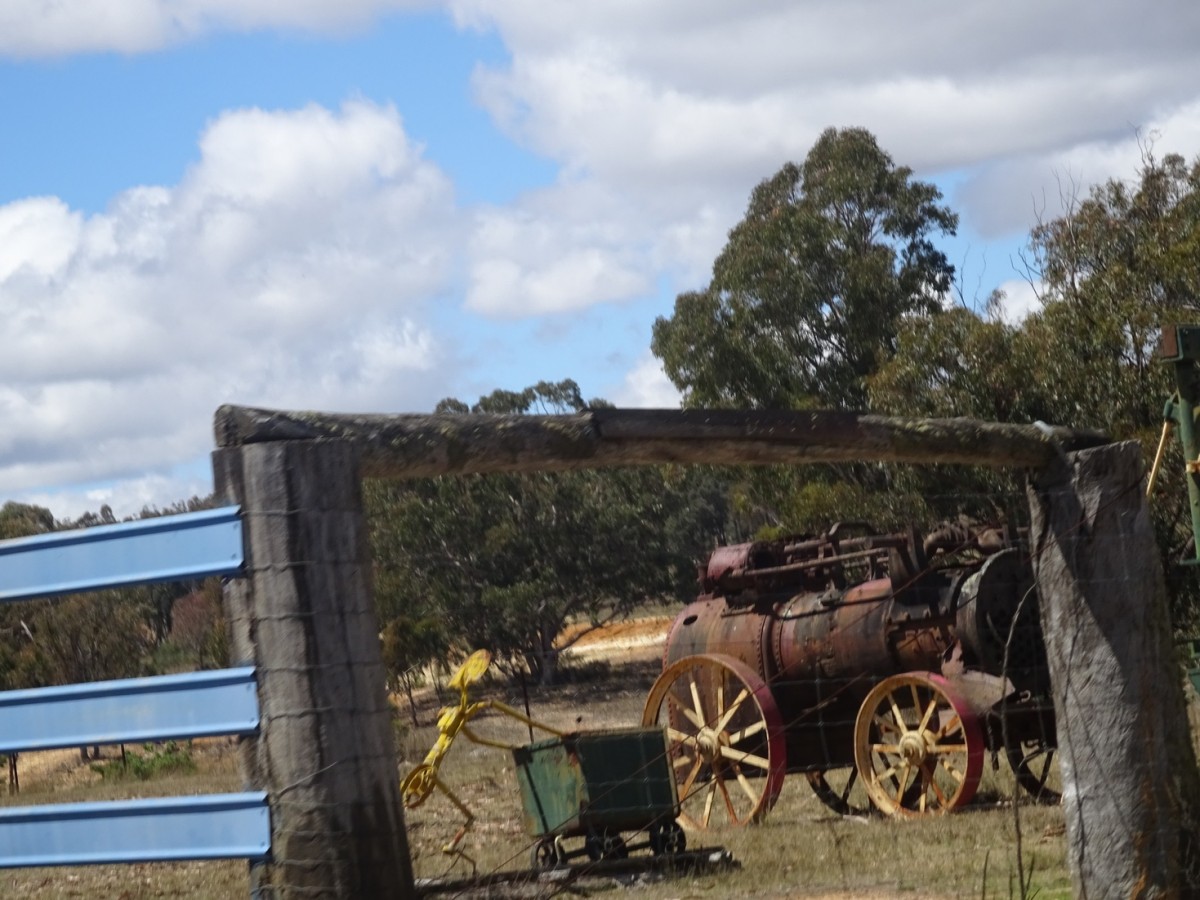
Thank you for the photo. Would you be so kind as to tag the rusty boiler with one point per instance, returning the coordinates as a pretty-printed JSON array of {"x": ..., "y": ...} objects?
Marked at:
[{"x": 814, "y": 624}]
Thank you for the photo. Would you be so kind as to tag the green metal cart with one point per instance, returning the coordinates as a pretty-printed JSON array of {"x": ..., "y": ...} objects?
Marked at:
[{"x": 596, "y": 785}]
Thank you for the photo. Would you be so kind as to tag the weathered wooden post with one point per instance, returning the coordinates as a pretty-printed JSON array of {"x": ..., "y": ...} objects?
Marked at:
[
  {"x": 304, "y": 616},
  {"x": 1131, "y": 790}
]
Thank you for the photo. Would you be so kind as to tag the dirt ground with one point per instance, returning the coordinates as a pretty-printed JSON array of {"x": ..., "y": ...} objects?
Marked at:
[{"x": 625, "y": 641}]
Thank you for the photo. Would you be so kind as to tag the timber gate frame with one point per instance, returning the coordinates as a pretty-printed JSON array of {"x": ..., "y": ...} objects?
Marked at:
[{"x": 302, "y": 614}]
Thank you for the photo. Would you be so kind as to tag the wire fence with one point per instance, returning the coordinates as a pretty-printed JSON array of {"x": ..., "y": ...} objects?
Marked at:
[
  {"x": 842, "y": 715},
  {"x": 870, "y": 715}
]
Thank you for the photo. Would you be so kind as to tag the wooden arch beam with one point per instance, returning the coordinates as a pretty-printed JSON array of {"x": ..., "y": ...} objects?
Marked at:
[{"x": 421, "y": 445}]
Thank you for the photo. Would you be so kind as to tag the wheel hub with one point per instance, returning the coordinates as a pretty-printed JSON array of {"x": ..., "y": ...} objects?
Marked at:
[
  {"x": 913, "y": 748},
  {"x": 708, "y": 743}
]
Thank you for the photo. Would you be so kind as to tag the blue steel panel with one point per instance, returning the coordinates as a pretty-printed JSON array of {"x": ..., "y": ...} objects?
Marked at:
[
  {"x": 167, "y": 548},
  {"x": 167, "y": 707},
  {"x": 216, "y": 826}
]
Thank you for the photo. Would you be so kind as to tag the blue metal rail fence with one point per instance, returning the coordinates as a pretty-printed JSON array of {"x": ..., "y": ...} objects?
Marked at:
[{"x": 171, "y": 707}]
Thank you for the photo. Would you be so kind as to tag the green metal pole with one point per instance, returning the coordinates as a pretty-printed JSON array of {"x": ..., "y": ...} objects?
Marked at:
[{"x": 1182, "y": 409}]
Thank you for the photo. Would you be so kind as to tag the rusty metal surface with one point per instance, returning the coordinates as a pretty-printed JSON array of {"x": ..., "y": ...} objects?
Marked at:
[
  {"x": 822, "y": 620},
  {"x": 711, "y": 626}
]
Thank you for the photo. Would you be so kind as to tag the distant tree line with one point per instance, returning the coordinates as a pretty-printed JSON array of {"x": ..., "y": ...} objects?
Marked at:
[{"x": 107, "y": 634}]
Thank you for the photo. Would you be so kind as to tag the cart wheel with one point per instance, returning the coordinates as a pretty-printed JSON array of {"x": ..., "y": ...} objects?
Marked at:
[
  {"x": 545, "y": 854},
  {"x": 667, "y": 838},
  {"x": 726, "y": 738},
  {"x": 842, "y": 791},
  {"x": 604, "y": 845},
  {"x": 917, "y": 745},
  {"x": 1033, "y": 764}
]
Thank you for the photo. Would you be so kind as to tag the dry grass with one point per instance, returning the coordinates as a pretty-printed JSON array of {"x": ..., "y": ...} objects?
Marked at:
[
  {"x": 801, "y": 850},
  {"x": 60, "y": 777}
]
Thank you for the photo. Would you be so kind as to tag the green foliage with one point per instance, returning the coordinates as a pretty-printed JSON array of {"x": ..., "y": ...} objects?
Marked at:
[
  {"x": 1112, "y": 271},
  {"x": 807, "y": 295},
  {"x": 198, "y": 628},
  {"x": 17, "y": 520},
  {"x": 698, "y": 516},
  {"x": 84, "y": 637},
  {"x": 805, "y": 303},
  {"x": 503, "y": 561},
  {"x": 23, "y": 520},
  {"x": 1117, "y": 268},
  {"x": 959, "y": 364},
  {"x": 817, "y": 505},
  {"x": 154, "y": 761},
  {"x": 113, "y": 634}
]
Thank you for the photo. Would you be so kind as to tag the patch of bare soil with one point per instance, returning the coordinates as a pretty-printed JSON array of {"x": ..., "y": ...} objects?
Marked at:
[
  {"x": 625, "y": 641},
  {"x": 637, "y": 642}
]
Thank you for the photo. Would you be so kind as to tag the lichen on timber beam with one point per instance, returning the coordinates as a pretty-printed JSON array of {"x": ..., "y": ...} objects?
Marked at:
[{"x": 417, "y": 445}]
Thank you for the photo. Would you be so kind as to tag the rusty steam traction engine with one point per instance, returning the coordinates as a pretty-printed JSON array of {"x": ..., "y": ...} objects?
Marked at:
[{"x": 883, "y": 667}]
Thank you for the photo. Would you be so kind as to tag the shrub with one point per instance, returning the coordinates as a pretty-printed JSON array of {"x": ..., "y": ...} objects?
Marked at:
[{"x": 154, "y": 761}]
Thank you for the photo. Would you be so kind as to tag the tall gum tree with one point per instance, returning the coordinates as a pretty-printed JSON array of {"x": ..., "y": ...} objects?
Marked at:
[
  {"x": 1111, "y": 272},
  {"x": 1118, "y": 265},
  {"x": 807, "y": 295},
  {"x": 804, "y": 305}
]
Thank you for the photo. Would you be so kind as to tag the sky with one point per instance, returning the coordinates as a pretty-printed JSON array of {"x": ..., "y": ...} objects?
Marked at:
[{"x": 372, "y": 205}]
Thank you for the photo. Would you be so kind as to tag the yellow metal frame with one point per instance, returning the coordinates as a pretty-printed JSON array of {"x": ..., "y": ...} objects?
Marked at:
[{"x": 419, "y": 783}]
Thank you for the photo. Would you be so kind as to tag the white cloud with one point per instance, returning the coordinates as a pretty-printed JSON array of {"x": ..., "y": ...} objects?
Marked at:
[
  {"x": 647, "y": 386},
  {"x": 557, "y": 251},
  {"x": 36, "y": 28},
  {"x": 292, "y": 266},
  {"x": 664, "y": 91},
  {"x": 1014, "y": 193},
  {"x": 1020, "y": 299},
  {"x": 300, "y": 261},
  {"x": 35, "y": 238},
  {"x": 664, "y": 115}
]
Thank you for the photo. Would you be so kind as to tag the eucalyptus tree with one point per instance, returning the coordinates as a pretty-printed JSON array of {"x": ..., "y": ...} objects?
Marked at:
[
  {"x": 808, "y": 293},
  {"x": 1117, "y": 266},
  {"x": 804, "y": 305}
]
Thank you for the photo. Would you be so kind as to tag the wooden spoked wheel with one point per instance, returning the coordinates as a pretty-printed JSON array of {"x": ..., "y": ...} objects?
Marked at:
[
  {"x": 918, "y": 747},
  {"x": 1033, "y": 765},
  {"x": 726, "y": 739},
  {"x": 841, "y": 790}
]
